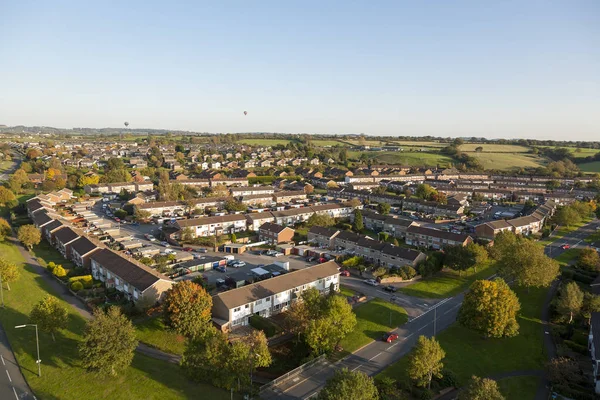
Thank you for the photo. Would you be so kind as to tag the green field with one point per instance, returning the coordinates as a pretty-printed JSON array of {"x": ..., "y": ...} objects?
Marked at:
[
  {"x": 593, "y": 166},
  {"x": 372, "y": 321},
  {"x": 423, "y": 144},
  {"x": 328, "y": 143},
  {"x": 567, "y": 257},
  {"x": 519, "y": 387},
  {"x": 494, "y": 148},
  {"x": 468, "y": 353},
  {"x": 416, "y": 159},
  {"x": 62, "y": 375},
  {"x": 265, "y": 142},
  {"x": 506, "y": 161},
  {"x": 446, "y": 283},
  {"x": 5, "y": 165}
]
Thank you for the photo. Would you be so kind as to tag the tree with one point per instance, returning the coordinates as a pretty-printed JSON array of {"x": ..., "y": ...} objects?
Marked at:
[
  {"x": 383, "y": 236},
  {"x": 567, "y": 216},
  {"x": 109, "y": 341},
  {"x": 231, "y": 205},
  {"x": 85, "y": 180},
  {"x": 309, "y": 189},
  {"x": 383, "y": 208},
  {"x": 347, "y": 384},
  {"x": 358, "y": 221},
  {"x": 503, "y": 243},
  {"x": 320, "y": 220},
  {"x": 141, "y": 215},
  {"x": 490, "y": 307},
  {"x": 17, "y": 180},
  {"x": 480, "y": 389},
  {"x": 6, "y": 195},
  {"x": 591, "y": 304},
  {"x": 475, "y": 255},
  {"x": 426, "y": 361},
  {"x": 29, "y": 235},
  {"x": 478, "y": 149},
  {"x": 455, "y": 258},
  {"x": 425, "y": 191},
  {"x": 49, "y": 315},
  {"x": 187, "y": 309},
  {"x": 570, "y": 300},
  {"x": 526, "y": 263},
  {"x": 59, "y": 271},
  {"x": 563, "y": 370},
  {"x": 5, "y": 229},
  {"x": 9, "y": 272},
  {"x": 589, "y": 259}
]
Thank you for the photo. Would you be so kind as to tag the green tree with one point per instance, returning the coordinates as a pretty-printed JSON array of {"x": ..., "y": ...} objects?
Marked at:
[
  {"x": 570, "y": 300},
  {"x": 49, "y": 315},
  {"x": 504, "y": 242},
  {"x": 476, "y": 255},
  {"x": 320, "y": 220},
  {"x": 383, "y": 236},
  {"x": 591, "y": 304},
  {"x": 347, "y": 384},
  {"x": 337, "y": 320},
  {"x": 425, "y": 191},
  {"x": 5, "y": 229},
  {"x": 187, "y": 309},
  {"x": 109, "y": 341},
  {"x": 383, "y": 208},
  {"x": 6, "y": 196},
  {"x": 490, "y": 307},
  {"x": 141, "y": 215},
  {"x": 29, "y": 235},
  {"x": 426, "y": 361},
  {"x": 59, "y": 271},
  {"x": 8, "y": 271},
  {"x": 455, "y": 258},
  {"x": 589, "y": 259},
  {"x": 567, "y": 216},
  {"x": 231, "y": 205},
  {"x": 480, "y": 389},
  {"x": 358, "y": 221},
  {"x": 527, "y": 264},
  {"x": 396, "y": 242}
]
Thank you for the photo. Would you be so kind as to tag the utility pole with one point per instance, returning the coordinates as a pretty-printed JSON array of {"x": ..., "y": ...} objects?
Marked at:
[
  {"x": 1, "y": 290},
  {"x": 434, "y": 320},
  {"x": 37, "y": 341}
]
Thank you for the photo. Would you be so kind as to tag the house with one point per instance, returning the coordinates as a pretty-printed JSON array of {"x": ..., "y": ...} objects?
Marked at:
[
  {"x": 40, "y": 219},
  {"x": 289, "y": 196},
  {"x": 81, "y": 250},
  {"x": 247, "y": 191},
  {"x": 322, "y": 237},
  {"x": 272, "y": 296},
  {"x": 209, "y": 226},
  {"x": 397, "y": 227},
  {"x": 50, "y": 229},
  {"x": 292, "y": 216},
  {"x": 274, "y": 234},
  {"x": 433, "y": 238},
  {"x": 134, "y": 280},
  {"x": 63, "y": 239},
  {"x": 489, "y": 230},
  {"x": 394, "y": 256},
  {"x": 256, "y": 220},
  {"x": 526, "y": 225}
]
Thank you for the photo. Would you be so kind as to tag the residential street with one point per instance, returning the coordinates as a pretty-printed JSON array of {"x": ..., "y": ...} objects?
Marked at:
[{"x": 12, "y": 382}]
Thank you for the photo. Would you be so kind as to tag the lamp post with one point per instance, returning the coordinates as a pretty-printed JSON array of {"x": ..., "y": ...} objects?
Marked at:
[
  {"x": 37, "y": 341},
  {"x": 1, "y": 290}
]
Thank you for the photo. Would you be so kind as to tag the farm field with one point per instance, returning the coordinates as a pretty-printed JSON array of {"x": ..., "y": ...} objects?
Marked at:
[
  {"x": 265, "y": 142},
  {"x": 328, "y": 143},
  {"x": 593, "y": 166},
  {"x": 507, "y": 161},
  {"x": 416, "y": 159},
  {"x": 494, "y": 148},
  {"x": 579, "y": 153}
]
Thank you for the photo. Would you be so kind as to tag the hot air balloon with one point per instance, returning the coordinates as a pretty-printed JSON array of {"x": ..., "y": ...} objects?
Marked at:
[
  {"x": 126, "y": 124},
  {"x": 245, "y": 112}
]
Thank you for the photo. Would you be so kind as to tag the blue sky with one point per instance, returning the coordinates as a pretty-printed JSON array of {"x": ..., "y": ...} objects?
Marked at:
[{"x": 461, "y": 68}]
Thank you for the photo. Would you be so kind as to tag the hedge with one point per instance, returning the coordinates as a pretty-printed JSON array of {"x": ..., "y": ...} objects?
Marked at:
[
  {"x": 86, "y": 281},
  {"x": 263, "y": 324},
  {"x": 76, "y": 286}
]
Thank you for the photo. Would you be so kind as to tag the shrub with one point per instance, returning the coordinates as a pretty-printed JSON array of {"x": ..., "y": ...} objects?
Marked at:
[
  {"x": 50, "y": 267},
  {"x": 576, "y": 347},
  {"x": 583, "y": 278},
  {"x": 449, "y": 379},
  {"x": 571, "y": 393},
  {"x": 263, "y": 324},
  {"x": 76, "y": 286},
  {"x": 86, "y": 281},
  {"x": 59, "y": 271},
  {"x": 408, "y": 271}
]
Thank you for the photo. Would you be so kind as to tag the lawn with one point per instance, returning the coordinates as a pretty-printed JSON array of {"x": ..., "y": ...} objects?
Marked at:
[
  {"x": 507, "y": 161},
  {"x": 594, "y": 237},
  {"x": 49, "y": 253},
  {"x": 373, "y": 320},
  {"x": 265, "y": 142},
  {"x": 560, "y": 232},
  {"x": 62, "y": 375},
  {"x": 5, "y": 165},
  {"x": 416, "y": 158},
  {"x": 446, "y": 283},
  {"x": 519, "y": 387},
  {"x": 468, "y": 353},
  {"x": 593, "y": 166},
  {"x": 346, "y": 291},
  {"x": 567, "y": 256},
  {"x": 153, "y": 332}
]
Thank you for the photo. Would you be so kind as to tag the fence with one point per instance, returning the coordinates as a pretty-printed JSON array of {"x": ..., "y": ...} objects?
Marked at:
[{"x": 288, "y": 375}]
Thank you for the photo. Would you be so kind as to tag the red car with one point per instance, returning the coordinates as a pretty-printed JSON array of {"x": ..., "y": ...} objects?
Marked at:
[
  {"x": 344, "y": 273},
  {"x": 322, "y": 260},
  {"x": 565, "y": 246},
  {"x": 390, "y": 337},
  {"x": 187, "y": 249}
]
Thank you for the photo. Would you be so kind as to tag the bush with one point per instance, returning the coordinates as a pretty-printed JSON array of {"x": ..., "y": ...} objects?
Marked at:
[
  {"x": 448, "y": 379},
  {"x": 78, "y": 271},
  {"x": 407, "y": 272},
  {"x": 59, "y": 271},
  {"x": 576, "y": 347},
  {"x": 86, "y": 281},
  {"x": 583, "y": 278},
  {"x": 263, "y": 324},
  {"x": 76, "y": 286},
  {"x": 571, "y": 393},
  {"x": 50, "y": 267}
]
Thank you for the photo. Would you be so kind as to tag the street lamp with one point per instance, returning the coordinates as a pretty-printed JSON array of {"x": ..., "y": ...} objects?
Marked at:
[
  {"x": 37, "y": 341},
  {"x": 1, "y": 290}
]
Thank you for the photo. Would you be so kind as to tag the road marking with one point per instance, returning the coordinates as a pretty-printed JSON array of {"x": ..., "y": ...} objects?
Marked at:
[
  {"x": 2, "y": 357},
  {"x": 357, "y": 368},
  {"x": 9, "y": 378},
  {"x": 370, "y": 359},
  {"x": 421, "y": 328},
  {"x": 15, "y": 392},
  {"x": 406, "y": 338},
  {"x": 458, "y": 305}
]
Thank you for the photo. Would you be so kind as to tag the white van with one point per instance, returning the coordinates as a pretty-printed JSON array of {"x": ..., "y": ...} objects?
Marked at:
[{"x": 229, "y": 257}]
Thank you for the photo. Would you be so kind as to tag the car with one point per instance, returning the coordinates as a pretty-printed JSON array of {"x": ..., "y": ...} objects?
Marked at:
[
  {"x": 135, "y": 224},
  {"x": 344, "y": 273},
  {"x": 117, "y": 219},
  {"x": 322, "y": 260},
  {"x": 390, "y": 288},
  {"x": 202, "y": 250},
  {"x": 389, "y": 337},
  {"x": 278, "y": 254},
  {"x": 165, "y": 244},
  {"x": 238, "y": 264},
  {"x": 187, "y": 249},
  {"x": 152, "y": 239},
  {"x": 170, "y": 251},
  {"x": 565, "y": 247},
  {"x": 221, "y": 268},
  {"x": 371, "y": 282}
]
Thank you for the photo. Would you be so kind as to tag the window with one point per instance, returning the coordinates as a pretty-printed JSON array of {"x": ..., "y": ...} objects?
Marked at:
[
  {"x": 247, "y": 306},
  {"x": 268, "y": 299},
  {"x": 236, "y": 309},
  {"x": 258, "y": 302}
]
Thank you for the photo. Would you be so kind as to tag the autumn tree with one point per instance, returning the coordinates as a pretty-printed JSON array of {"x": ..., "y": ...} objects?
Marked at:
[
  {"x": 324, "y": 220},
  {"x": 8, "y": 272},
  {"x": 490, "y": 307},
  {"x": 426, "y": 361},
  {"x": 526, "y": 263},
  {"x": 49, "y": 315},
  {"x": 187, "y": 308},
  {"x": 309, "y": 189},
  {"x": 358, "y": 221},
  {"x": 6, "y": 196},
  {"x": 5, "y": 229},
  {"x": 29, "y": 235},
  {"x": 85, "y": 180},
  {"x": 591, "y": 304},
  {"x": 480, "y": 389},
  {"x": 140, "y": 214},
  {"x": 346, "y": 384},
  {"x": 589, "y": 259},
  {"x": 109, "y": 342},
  {"x": 570, "y": 300}
]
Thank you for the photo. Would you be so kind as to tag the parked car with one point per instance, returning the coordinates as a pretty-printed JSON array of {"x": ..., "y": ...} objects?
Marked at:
[
  {"x": 344, "y": 273},
  {"x": 322, "y": 260},
  {"x": 277, "y": 254},
  {"x": 221, "y": 268},
  {"x": 390, "y": 337},
  {"x": 202, "y": 251},
  {"x": 371, "y": 282},
  {"x": 187, "y": 249},
  {"x": 135, "y": 224},
  {"x": 390, "y": 288},
  {"x": 170, "y": 251},
  {"x": 565, "y": 246},
  {"x": 238, "y": 264},
  {"x": 165, "y": 244}
]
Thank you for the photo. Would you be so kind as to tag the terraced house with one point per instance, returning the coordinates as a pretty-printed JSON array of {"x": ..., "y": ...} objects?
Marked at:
[
  {"x": 210, "y": 226},
  {"x": 433, "y": 238}
]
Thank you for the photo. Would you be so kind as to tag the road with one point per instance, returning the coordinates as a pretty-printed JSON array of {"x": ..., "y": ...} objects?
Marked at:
[
  {"x": 12, "y": 383},
  {"x": 16, "y": 163},
  {"x": 377, "y": 355}
]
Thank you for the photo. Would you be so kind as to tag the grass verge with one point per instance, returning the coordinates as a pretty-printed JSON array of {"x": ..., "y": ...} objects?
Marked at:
[
  {"x": 346, "y": 291},
  {"x": 561, "y": 232},
  {"x": 62, "y": 375},
  {"x": 153, "y": 332},
  {"x": 519, "y": 387},
  {"x": 446, "y": 283},
  {"x": 567, "y": 256}
]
